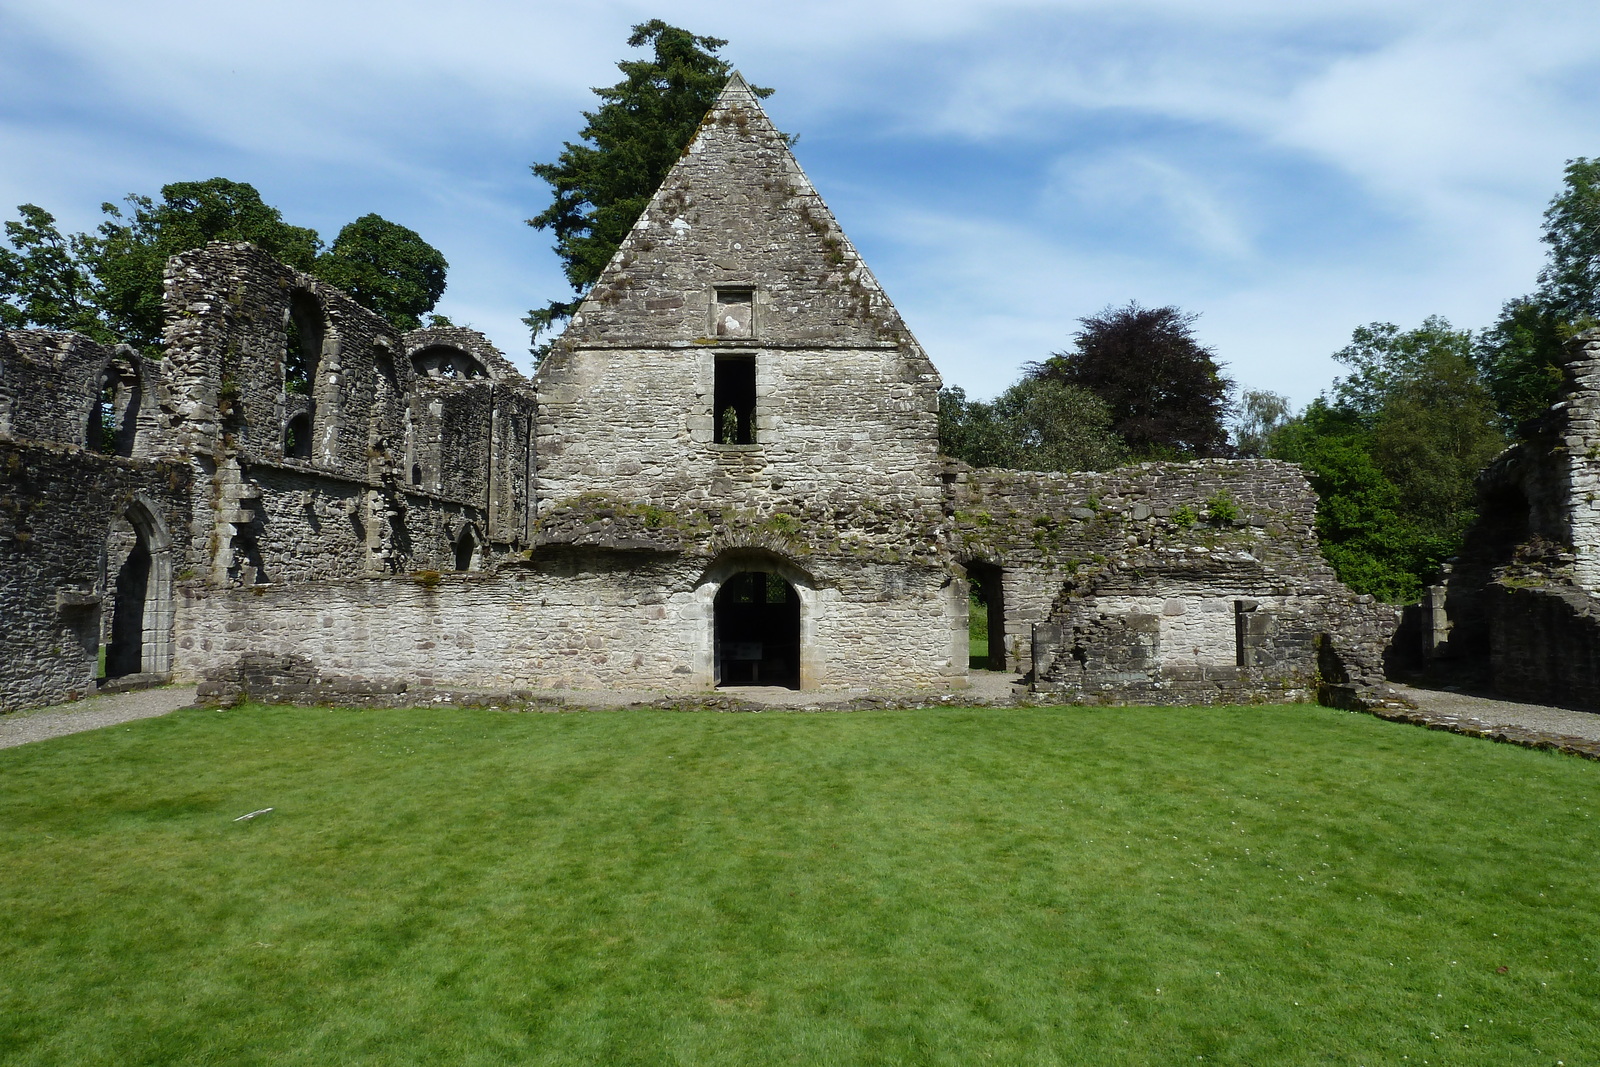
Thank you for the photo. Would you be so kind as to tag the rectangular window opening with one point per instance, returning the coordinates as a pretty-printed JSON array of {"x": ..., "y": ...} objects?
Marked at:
[{"x": 734, "y": 400}]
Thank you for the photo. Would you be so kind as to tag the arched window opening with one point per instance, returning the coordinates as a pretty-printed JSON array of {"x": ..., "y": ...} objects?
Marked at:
[
  {"x": 136, "y": 578},
  {"x": 297, "y": 437},
  {"x": 448, "y": 362},
  {"x": 757, "y": 631},
  {"x": 986, "y": 617},
  {"x": 467, "y": 556},
  {"x": 304, "y": 327},
  {"x": 416, "y": 474},
  {"x": 114, "y": 416}
]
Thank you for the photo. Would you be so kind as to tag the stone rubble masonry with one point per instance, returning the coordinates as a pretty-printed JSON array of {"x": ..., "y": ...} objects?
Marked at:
[
  {"x": 1169, "y": 583},
  {"x": 58, "y": 504},
  {"x": 1521, "y": 602}
]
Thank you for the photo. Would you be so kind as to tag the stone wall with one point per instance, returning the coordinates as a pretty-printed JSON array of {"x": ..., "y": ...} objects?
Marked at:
[
  {"x": 1168, "y": 583},
  {"x": 568, "y": 618},
  {"x": 59, "y": 506}
]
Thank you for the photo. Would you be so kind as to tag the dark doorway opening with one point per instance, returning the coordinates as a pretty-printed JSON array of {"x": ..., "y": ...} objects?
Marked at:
[
  {"x": 986, "y": 618},
  {"x": 125, "y": 653},
  {"x": 758, "y": 631},
  {"x": 734, "y": 400}
]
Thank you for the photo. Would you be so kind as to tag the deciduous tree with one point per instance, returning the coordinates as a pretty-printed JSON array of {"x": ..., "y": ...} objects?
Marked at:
[{"x": 1166, "y": 393}]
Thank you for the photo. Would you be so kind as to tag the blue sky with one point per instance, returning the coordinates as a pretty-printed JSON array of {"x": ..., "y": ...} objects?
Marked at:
[{"x": 1288, "y": 171}]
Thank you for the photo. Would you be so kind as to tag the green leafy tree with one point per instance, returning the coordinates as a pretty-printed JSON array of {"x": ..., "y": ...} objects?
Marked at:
[
  {"x": 43, "y": 281},
  {"x": 1570, "y": 281},
  {"x": 1394, "y": 455},
  {"x": 630, "y": 142},
  {"x": 386, "y": 268},
  {"x": 1036, "y": 424},
  {"x": 1522, "y": 355},
  {"x": 1261, "y": 415},
  {"x": 108, "y": 284},
  {"x": 1166, "y": 393},
  {"x": 130, "y": 252}
]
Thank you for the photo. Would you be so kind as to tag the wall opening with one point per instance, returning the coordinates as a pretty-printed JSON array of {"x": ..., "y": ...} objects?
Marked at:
[
  {"x": 125, "y": 650},
  {"x": 114, "y": 416},
  {"x": 466, "y": 547},
  {"x": 138, "y": 583},
  {"x": 734, "y": 400},
  {"x": 986, "y": 619},
  {"x": 304, "y": 327},
  {"x": 297, "y": 437},
  {"x": 448, "y": 362},
  {"x": 757, "y": 631}
]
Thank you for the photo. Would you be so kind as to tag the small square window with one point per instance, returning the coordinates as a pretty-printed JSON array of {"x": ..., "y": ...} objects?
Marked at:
[{"x": 734, "y": 314}]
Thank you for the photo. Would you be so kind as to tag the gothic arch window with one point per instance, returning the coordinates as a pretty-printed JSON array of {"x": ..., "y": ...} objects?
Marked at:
[{"x": 114, "y": 413}]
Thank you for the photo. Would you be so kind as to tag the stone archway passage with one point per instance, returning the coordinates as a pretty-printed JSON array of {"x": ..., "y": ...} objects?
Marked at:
[
  {"x": 125, "y": 653},
  {"x": 758, "y": 631}
]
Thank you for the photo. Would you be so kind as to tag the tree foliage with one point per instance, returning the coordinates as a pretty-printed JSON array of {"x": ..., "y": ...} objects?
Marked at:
[
  {"x": 108, "y": 284},
  {"x": 629, "y": 143},
  {"x": 1167, "y": 396},
  {"x": 1570, "y": 281},
  {"x": 1261, "y": 414},
  {"x": 1394, "y": 454},
  {"x": 1036, "y": 424},
  {"x": 387, "y": 268},
  {"x": 1522, "y": 355}
]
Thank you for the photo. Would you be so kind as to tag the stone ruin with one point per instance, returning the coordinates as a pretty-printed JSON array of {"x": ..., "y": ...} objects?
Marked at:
[
  {"x": 1518, "y": 610},
  {"x": 725, "y": 473}
]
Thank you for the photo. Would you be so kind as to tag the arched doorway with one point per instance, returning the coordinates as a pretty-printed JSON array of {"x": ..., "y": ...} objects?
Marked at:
[
  {"x": 757, "y": 631},
  {"x": 138, "y": 585}
]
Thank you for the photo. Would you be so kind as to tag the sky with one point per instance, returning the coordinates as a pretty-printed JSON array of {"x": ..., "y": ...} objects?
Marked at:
[{"x": 1287, "y": 171}]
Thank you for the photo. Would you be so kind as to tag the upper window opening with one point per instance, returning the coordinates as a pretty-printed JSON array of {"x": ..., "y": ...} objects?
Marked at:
[
  {"x": 113, "y": 420},
  {"x": 734, "y": 400},
  {"x": 448, "y": 362},
  {"x": 297, "y": 437},
  {"x": 735, "y": 313},
  {"x": 303, "y": 344}
]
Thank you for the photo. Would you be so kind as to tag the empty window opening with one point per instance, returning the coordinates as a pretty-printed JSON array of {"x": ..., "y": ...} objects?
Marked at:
[
  {"x": 448, "y": 362},
  {"x": 735, "y": 313},
  {"x": 304, "y": 329},
  {"x": 467, "y": 550},
  {"x": 757, "y": 631},
  {"x": 416, "y": 474},
  {"x": 734, "y": 400},
  {"x": 986, "y": 618},
  {"x": 113, "y": 420},
  {"x": 297, "y": 437}
]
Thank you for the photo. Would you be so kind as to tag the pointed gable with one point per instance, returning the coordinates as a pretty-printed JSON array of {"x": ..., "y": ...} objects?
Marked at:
[{"x": 737, "y": 244}]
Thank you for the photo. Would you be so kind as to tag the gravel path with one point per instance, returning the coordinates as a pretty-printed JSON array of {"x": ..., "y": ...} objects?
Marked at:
[
  {"x": 109, "y": 709},
  {"x": 1492, "y": 711}
]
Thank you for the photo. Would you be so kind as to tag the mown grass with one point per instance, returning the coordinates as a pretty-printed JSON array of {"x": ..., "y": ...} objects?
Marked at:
[{"x": 1065, "y": 886}]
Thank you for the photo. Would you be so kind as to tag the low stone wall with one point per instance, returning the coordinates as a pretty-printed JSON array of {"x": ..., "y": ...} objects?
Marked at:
[
  {"x": 1170, "y": 583},
  {"x": 566, "y": 620}
]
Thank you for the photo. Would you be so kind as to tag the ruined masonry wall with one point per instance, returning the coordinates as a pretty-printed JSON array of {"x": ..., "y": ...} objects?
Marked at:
[
  {"x": 57, "y": 506},
  {"x": 1125, "y": 584},
  {"x": 626, "y": 621}
]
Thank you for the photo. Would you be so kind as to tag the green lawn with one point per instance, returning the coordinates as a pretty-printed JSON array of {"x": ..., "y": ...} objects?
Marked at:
[{"x": 1261, "y": 886}]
